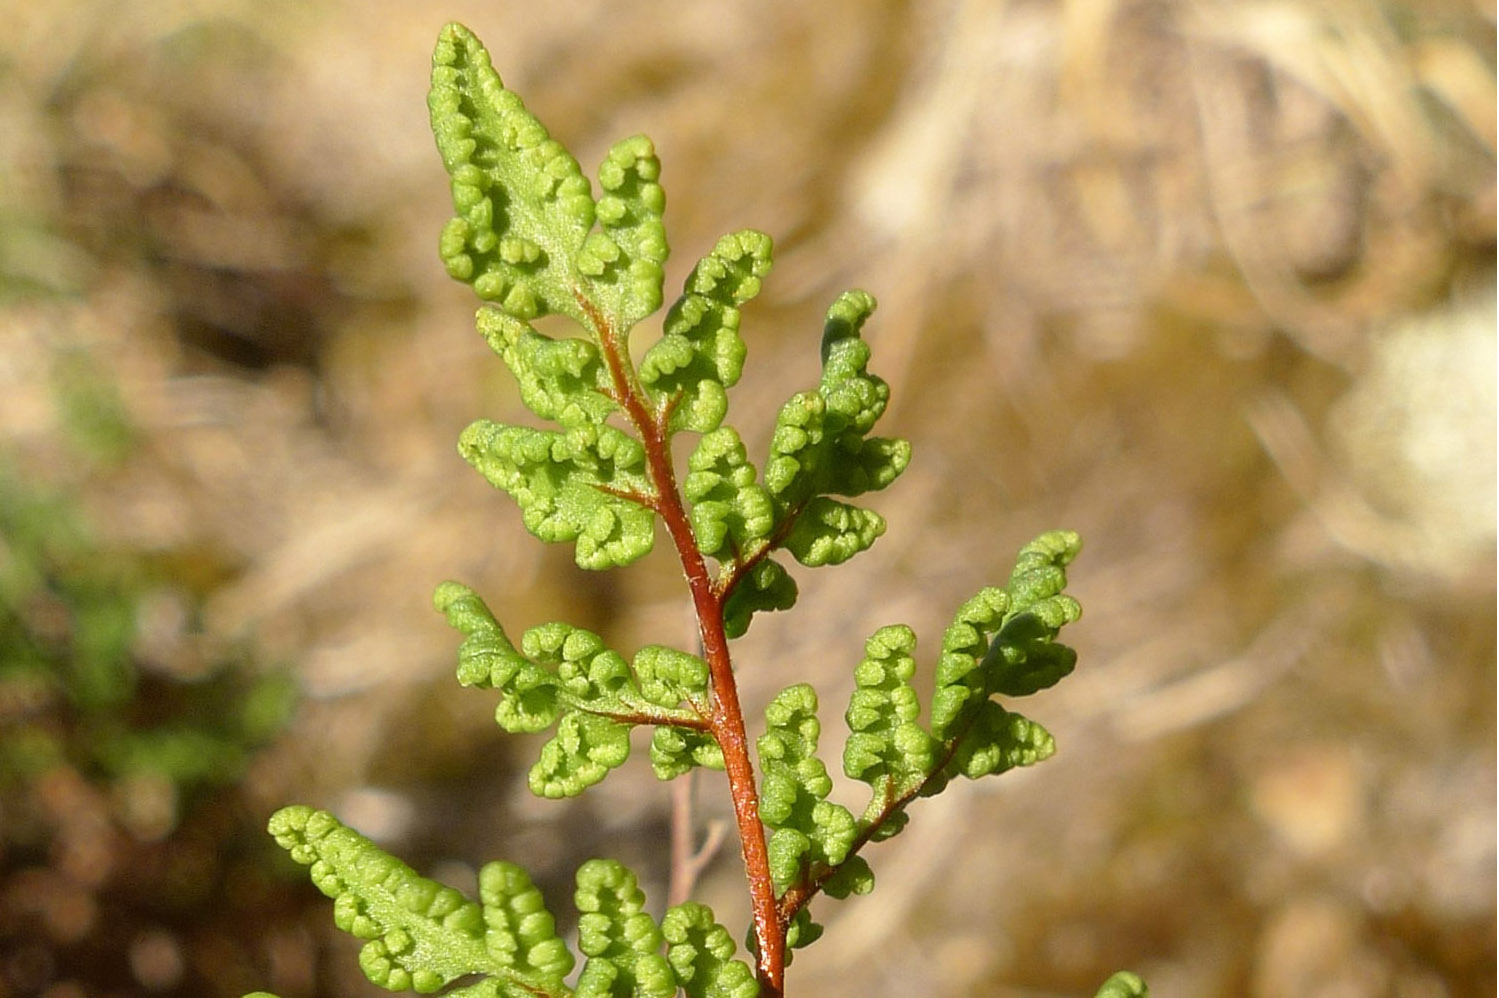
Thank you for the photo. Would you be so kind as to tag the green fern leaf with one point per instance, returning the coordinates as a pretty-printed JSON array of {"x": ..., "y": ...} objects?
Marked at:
[
  {"x": 1003, "y": 640},
  {"x": 820, "y": 445},
  {"x": 422, "y": 935},
  {"x": 523, "y": 207},
  {"x": 576, "y": 485},
  {"x": 562, "y": 379},
  {"x": 528, "y": 235},
  {"x": 1025, "y": 657},
  {"x": 887, "y": 747},
  {"x": 565, "y": 676},
  {"x": 828, "y": 532},
  {"x": 700, "y": 354},
  {"x": 766, "y": 586},
  {"x": 625, "y": 259},
  {"x": 807, "y": 829},
  {"x": 701, "y": 954},
  {"x": 618, "y": 936},
  {"x": 730, "y": 510}
]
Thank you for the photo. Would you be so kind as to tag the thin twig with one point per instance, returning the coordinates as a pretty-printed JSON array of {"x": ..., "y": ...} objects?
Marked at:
[
  {"x": 688, "y": 860},
  {"x": 682, "y": 872}
]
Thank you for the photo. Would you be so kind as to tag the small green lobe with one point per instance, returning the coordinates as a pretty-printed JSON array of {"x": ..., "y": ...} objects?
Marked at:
[
  {"x": 700, "y": 354},
  {"x": 730, "y": 509},
  {"x": 523, "y": 208},
  {"x": 562, "y": 380},
  {"x": 997, "y": 740},
  {"x": 887, "y": 747},
  {"x": 669, "y": 677},
  {"x": 820, "y": 446},
  {"x": 806, "y": 828},
  {"x": 625, "y": 260},
  {"x": 853, "y": 876},
  {"x": 1025, "y": 656},
  {"x": 618, "y": 936},
  {"x": 1124, "y": 984},
  {"x": 767, "y": 586},
  {"x": 518, "y": 925},
  {"x": 570, "y": 486},
  {"x": 676, "y": 750},
  {"x": 828, "y": 532},
  {"x": 966, "y": 641},
  {"x": 585, "y": 749},
  {"x": 701, "y": 954},
  {"x": 802, "y": 932}
]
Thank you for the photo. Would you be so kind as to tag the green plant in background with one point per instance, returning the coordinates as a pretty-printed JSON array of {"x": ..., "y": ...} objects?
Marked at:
[
  {"x": 75, "y": 690},
  {"x": 531, "y": 239},
  {"x": 124, "y": 735}
]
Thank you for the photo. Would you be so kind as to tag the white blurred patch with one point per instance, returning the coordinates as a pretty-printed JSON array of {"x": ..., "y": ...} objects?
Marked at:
[
  {"x": 383, "y": 816},
  {"x": 1417, "y": 434}
]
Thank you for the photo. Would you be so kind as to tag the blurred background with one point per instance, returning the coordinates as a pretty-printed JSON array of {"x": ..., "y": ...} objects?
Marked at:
[{"x": 1211, "y": 282}]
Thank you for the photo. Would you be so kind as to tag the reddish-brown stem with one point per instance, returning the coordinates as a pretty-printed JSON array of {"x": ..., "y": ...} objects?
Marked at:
[{"x": 725, "y": 717}]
